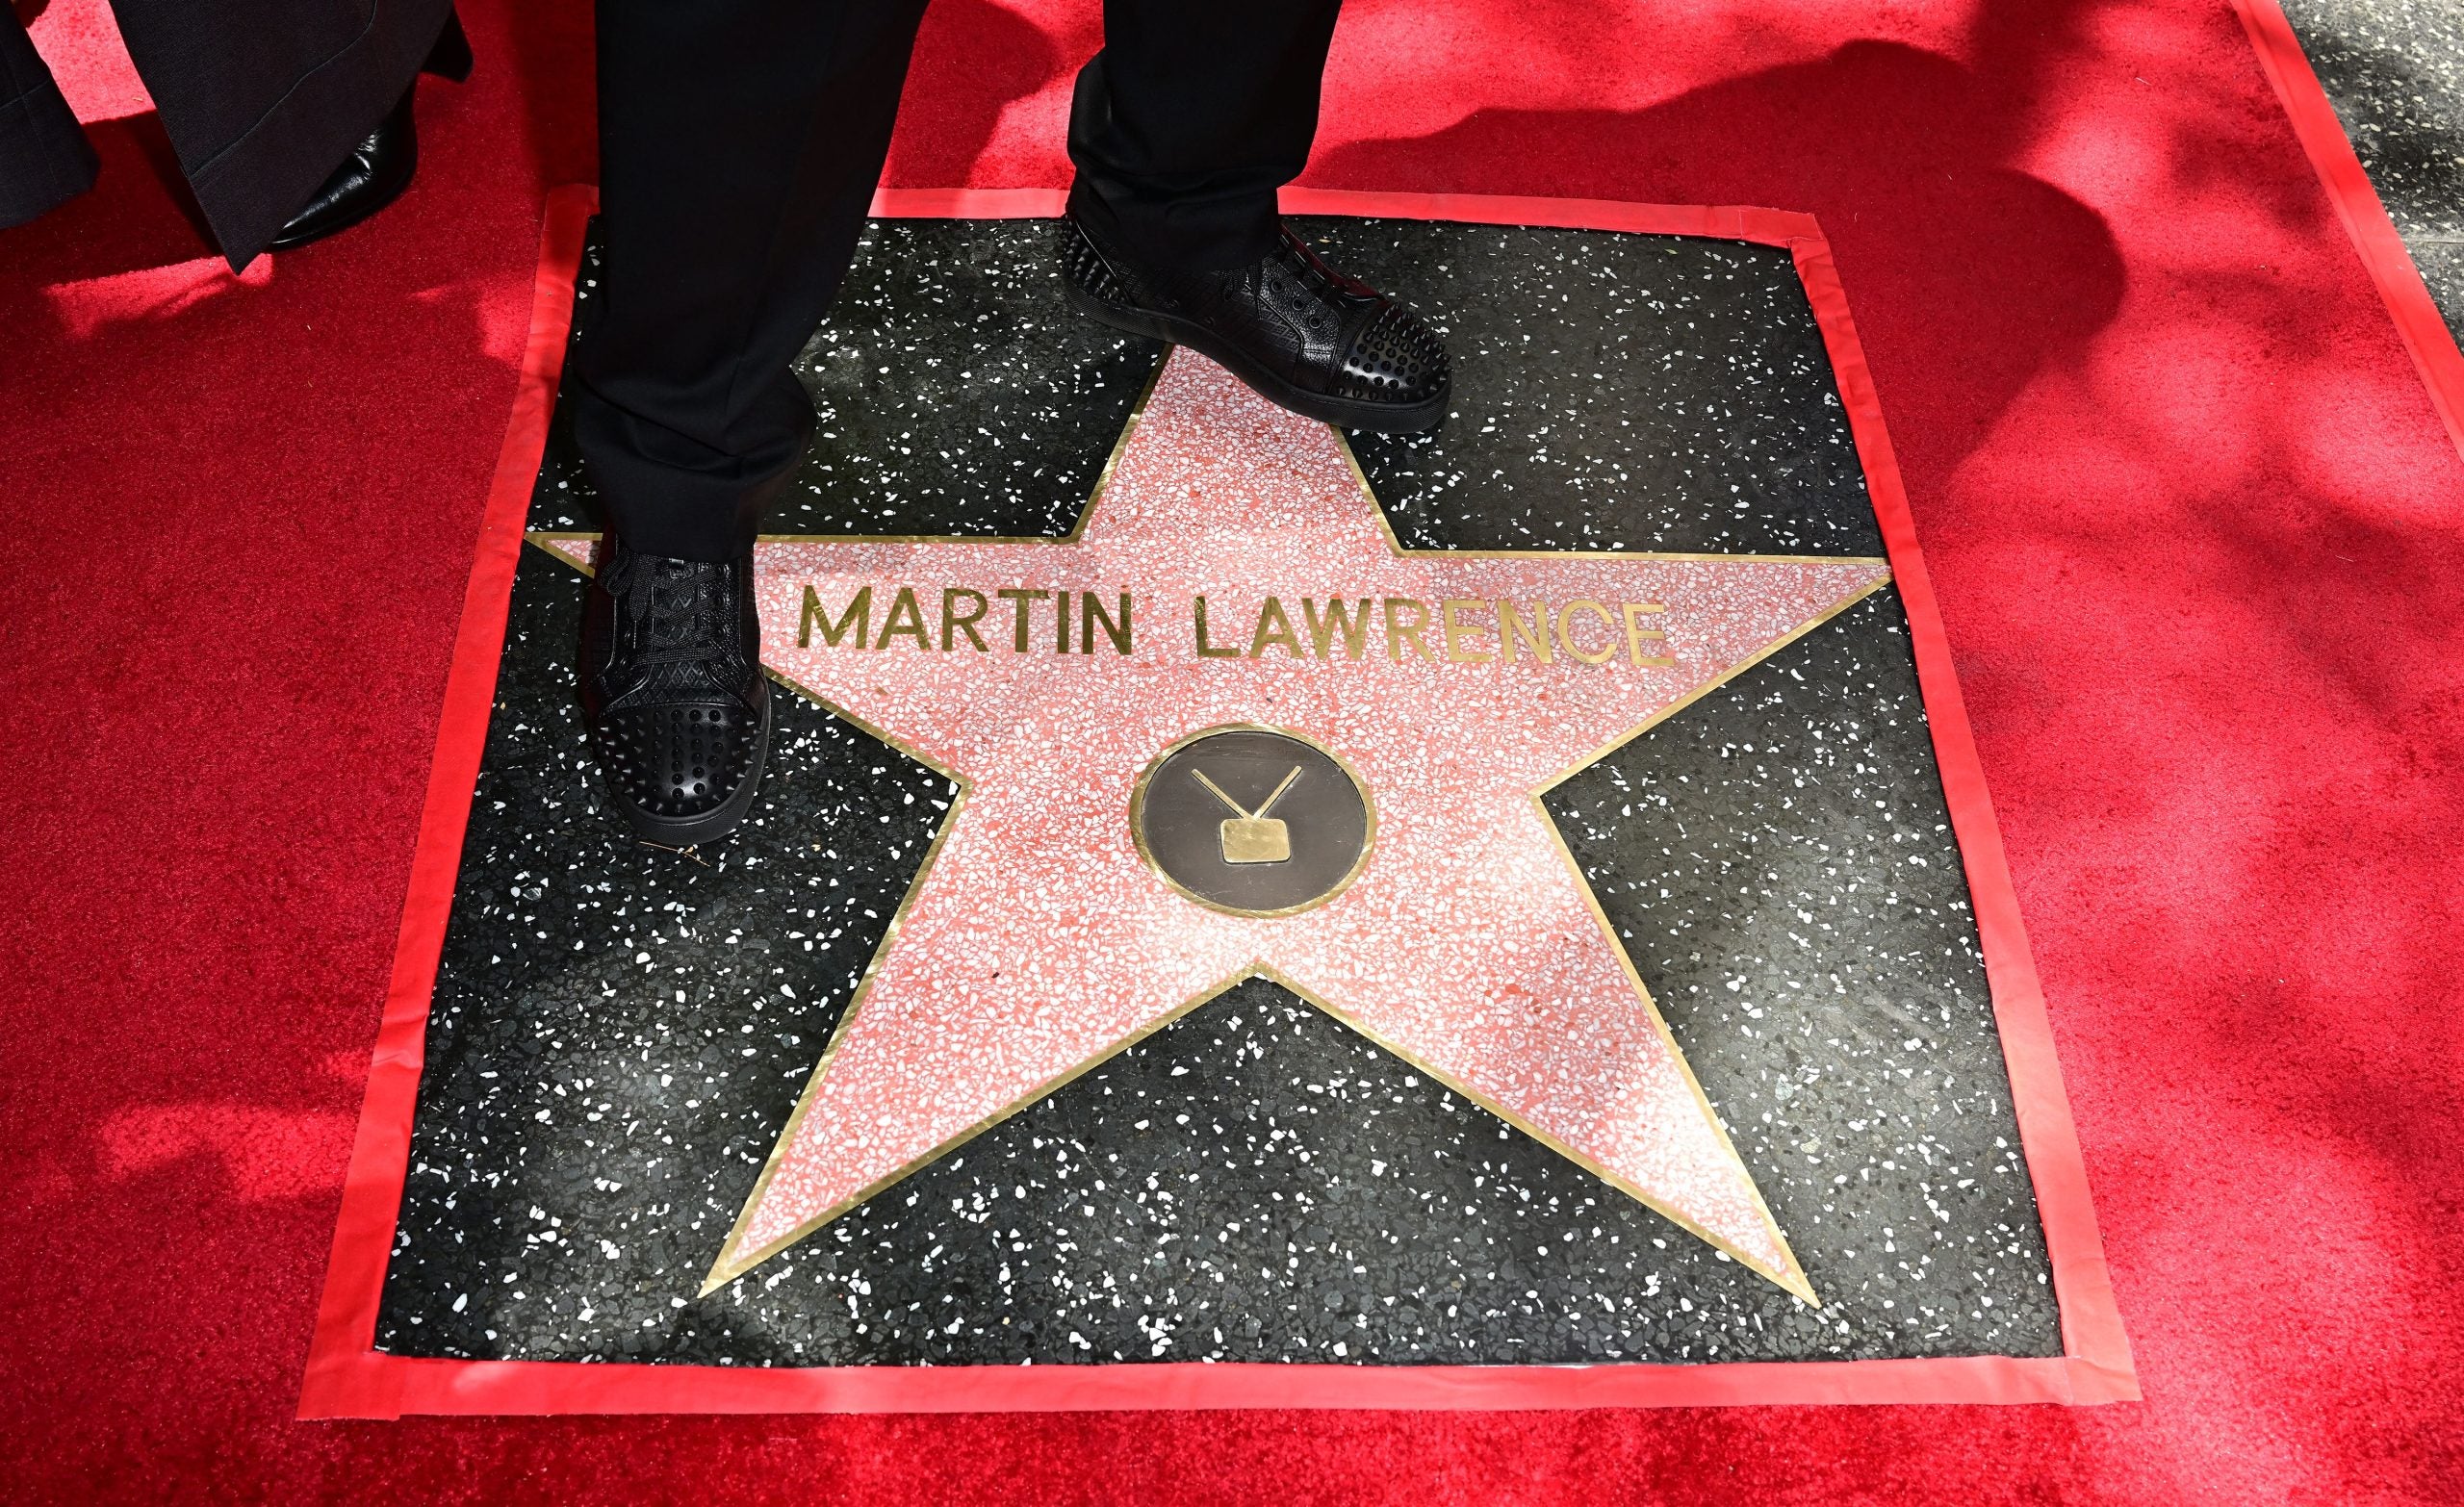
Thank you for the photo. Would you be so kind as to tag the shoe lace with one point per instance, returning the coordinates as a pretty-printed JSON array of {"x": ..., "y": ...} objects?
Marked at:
[
  {"x": 1304, "y": 261},
  {"x": 682, "y": 612}
]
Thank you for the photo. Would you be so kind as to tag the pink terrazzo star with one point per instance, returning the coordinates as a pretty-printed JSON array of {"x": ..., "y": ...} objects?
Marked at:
[{"x": 1038, "y": 942}]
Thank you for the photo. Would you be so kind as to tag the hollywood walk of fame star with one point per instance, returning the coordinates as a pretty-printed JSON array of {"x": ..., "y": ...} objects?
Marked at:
[{"x": 1038, "y": 939}]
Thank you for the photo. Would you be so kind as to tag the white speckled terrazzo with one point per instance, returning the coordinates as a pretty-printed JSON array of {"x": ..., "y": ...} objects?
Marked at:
[
  {"x": 620, "y": 1034},
  {"x": 1039, "y": 941}
]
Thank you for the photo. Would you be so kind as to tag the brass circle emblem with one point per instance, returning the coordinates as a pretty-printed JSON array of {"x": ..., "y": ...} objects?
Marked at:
[{"x": 1252, "y": 821}]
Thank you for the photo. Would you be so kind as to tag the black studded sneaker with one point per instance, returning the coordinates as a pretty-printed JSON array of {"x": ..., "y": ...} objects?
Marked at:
[
  {"x": 673, "y": 688},
  {"x": 1303, "y": 335}
]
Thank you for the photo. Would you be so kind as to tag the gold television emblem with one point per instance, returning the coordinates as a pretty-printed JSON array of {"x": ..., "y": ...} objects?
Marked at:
[{"x": 1252, "y": 836}]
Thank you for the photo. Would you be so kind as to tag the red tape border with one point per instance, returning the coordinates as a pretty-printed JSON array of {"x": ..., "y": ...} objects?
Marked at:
[
  {"x": 348, "y": 1377},
  {"x": 2374, "y": 235}
]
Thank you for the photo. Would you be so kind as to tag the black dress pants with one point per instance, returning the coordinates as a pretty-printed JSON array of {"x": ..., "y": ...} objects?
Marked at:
[{"x": 740, "y": 141}]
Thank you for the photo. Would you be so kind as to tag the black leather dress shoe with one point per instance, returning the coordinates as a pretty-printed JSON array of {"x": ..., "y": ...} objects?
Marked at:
[
  {"x": 373, "y": 176},
  {"x": 380, "y": 168},
  {"x": 1302, "y": 334},
  {"x": 673, "y": 688}
]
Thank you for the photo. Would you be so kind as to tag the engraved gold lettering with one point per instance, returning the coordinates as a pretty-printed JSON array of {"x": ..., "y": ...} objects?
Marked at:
[
  {"x": 1206, "y": 650},
  {"x": 1533, "y": 633},
  {"x": 1456, "y": 632},
  {"x": 951, "y": 625},
  {"x": 1353, "y": 625},
  {"x": 1397, "y": 635},
  {"x": 905, "y": 619},
  {"x": 1019, "y": 599},
  {"x": 1061, "y": 623},
  {"x": 1274, "y": 628},
  {"x": 1635, "y": 635},
  {"x": 858, "y": 616},
  {"x": 1092, "y": 615},
  {"x": 1566, "y": 632}
]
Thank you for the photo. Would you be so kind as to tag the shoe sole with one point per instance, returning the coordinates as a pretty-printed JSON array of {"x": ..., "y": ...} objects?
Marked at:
[
  {"x": 715, "y": 824},
  {"x": 1346, "y": 413}
]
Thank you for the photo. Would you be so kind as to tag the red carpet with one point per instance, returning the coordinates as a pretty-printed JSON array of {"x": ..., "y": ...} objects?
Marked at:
[{"x": 2194, "y": 523}]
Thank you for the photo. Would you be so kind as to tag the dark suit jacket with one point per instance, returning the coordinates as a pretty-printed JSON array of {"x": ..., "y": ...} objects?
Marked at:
[{"x": 261, "y": 98}]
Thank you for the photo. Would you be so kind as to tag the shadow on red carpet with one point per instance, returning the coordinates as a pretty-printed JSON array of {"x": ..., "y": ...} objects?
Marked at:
[{"x": 2194, "y": 526}]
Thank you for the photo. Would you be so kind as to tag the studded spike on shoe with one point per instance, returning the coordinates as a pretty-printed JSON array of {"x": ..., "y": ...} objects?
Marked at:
[
  {"x": 672, "y": 686},
  {"x": 1300, "y": 333}
]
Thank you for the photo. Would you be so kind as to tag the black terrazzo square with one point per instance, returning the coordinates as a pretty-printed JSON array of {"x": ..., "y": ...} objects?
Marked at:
[{"x": 619, "y": 1032}]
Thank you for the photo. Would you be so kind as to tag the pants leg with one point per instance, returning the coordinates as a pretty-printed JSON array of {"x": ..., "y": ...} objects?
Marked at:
[
  {"x": 739, "y": 144},
  {"x": 44, "y": 156},
  {"x": 1191, "y": 117},
  {"x": 263, "y": 98}
]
